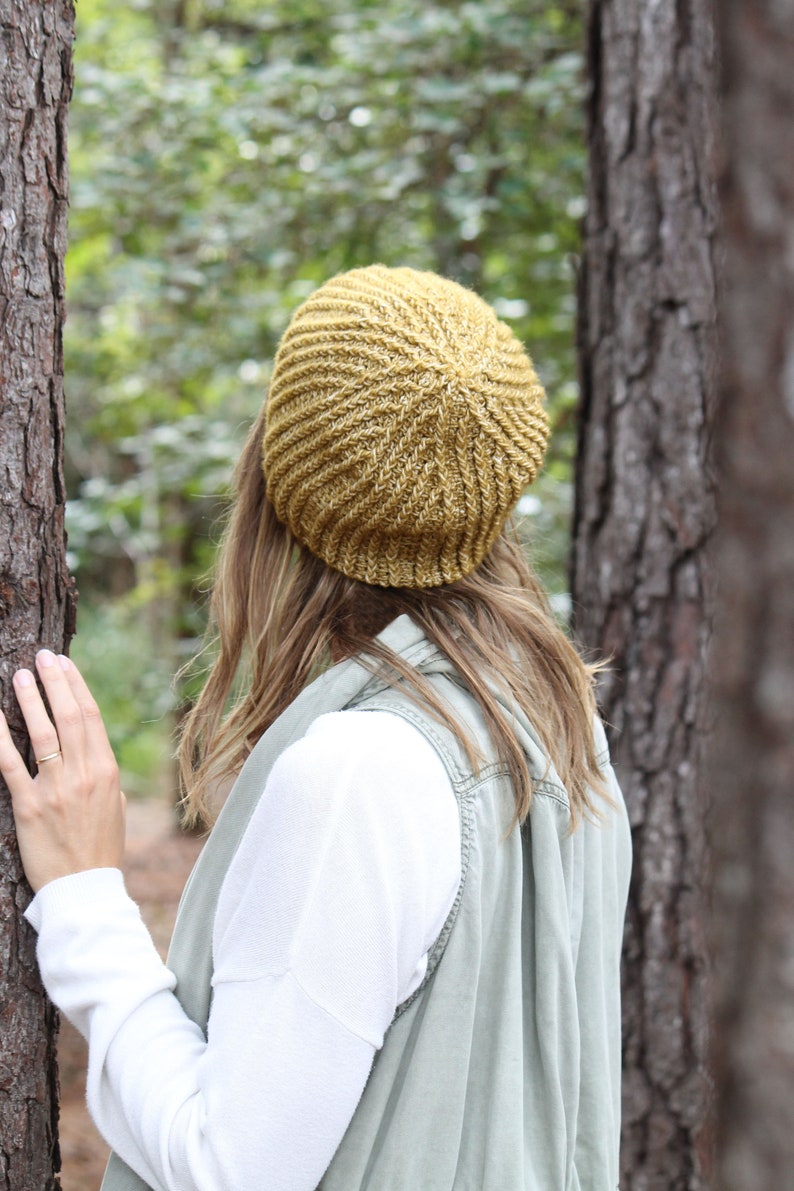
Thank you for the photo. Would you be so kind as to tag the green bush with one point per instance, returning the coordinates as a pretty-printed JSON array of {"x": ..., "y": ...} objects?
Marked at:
[{"x": 118, "y": 655}]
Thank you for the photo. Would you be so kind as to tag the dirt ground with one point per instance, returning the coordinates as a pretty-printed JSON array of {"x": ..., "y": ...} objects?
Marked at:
[{"x": 157, "y": 862}]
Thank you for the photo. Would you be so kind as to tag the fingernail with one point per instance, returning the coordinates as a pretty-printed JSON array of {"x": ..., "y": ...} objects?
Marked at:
[
  {"x": 45, "y": 657},
  {"x": 23, "y": 678},
  {"x": 64, "y": 661}
]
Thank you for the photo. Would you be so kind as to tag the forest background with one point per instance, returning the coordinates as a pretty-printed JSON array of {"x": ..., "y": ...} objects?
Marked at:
[{"x": 227, "y": 157}]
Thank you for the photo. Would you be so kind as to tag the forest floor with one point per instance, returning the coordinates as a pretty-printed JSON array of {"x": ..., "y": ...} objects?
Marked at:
[{"x": 156, "y": 865}]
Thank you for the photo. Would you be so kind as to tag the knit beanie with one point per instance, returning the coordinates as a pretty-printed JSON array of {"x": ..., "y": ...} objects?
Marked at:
[{"x": 402, "y": 424}]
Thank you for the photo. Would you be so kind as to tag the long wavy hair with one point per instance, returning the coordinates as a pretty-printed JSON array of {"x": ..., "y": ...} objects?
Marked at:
[{"x": 278, "y": 615}]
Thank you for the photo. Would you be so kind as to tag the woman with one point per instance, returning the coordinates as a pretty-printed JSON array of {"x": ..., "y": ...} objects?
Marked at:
[{"x": 396, "y": 963}]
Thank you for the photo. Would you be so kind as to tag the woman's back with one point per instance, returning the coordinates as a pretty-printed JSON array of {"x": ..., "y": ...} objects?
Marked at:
[{"x": 367, "y": 566}]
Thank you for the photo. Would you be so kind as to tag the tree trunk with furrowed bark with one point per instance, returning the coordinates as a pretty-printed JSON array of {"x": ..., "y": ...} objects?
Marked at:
[
  {"x": 36, "y": 605},
  {"x": 644, "y": 513},
  {"x": 752, "y": 764}
]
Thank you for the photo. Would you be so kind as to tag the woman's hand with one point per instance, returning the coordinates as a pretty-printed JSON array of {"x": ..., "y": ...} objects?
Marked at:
[{"x": 70, "y": 817}]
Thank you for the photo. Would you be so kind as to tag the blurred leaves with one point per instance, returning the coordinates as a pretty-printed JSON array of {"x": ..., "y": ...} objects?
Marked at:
[
  {"x": 134, "y": 687},
  {"x": 227, "y": 157}
]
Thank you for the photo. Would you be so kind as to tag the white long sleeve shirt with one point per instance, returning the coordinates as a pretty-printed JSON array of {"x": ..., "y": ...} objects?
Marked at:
[{"x": 341, "y": 884}]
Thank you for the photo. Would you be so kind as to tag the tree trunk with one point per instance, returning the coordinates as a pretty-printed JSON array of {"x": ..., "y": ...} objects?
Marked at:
[
  {"x": 36, "y": 607},
  {"x": 643, "y": 515},
  {"x": 752, "y": 770}
]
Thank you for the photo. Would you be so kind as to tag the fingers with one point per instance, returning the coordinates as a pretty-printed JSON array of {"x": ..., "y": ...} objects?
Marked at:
[
  {"x": 93, "y": 724},
  {"x": 12, "y": 766},
  {"x": 77, "y": 730},
  {"x": 43, "y": 735},
  {"x": 70, "y": 817}
]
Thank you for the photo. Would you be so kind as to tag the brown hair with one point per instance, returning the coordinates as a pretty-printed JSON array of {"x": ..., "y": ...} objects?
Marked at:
[{"x": 278, "y": 615}]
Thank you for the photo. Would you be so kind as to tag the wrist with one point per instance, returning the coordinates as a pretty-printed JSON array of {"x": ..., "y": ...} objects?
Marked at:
[{"x": 70, "y": 893}]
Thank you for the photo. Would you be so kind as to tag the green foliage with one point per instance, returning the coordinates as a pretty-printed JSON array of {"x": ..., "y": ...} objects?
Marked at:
[
  {"x": 226, "y": 158},
  {"x": 135, "y": 690}
]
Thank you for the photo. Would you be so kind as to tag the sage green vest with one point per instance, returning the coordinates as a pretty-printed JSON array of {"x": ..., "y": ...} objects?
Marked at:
[{"x": 502, "y": 1071}]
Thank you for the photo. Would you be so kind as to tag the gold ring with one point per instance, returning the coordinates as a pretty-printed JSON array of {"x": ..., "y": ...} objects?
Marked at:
[{"x": 49, "y": 757}]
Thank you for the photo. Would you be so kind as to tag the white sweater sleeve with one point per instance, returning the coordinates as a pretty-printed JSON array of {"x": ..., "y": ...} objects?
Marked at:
[{"x": 342, "y": 881}]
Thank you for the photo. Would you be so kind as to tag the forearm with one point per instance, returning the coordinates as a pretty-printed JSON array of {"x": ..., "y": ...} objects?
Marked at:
[
  {"x": 264, "y": 1103},
  {"x": 101, "y": 968}
]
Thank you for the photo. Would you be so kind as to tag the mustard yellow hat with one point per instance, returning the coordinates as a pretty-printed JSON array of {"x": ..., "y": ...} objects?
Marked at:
[{"x": 403, "y": 422}]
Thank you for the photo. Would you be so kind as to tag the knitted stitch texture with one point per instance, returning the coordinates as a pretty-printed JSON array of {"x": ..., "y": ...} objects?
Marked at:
[{"x": 403, "y": 422}]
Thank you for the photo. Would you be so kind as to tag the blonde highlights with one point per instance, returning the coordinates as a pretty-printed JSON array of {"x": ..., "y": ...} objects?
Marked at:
[{"x": 279, "y": 615}]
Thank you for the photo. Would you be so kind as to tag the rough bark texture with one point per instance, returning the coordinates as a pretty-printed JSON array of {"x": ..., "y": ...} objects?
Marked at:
[
  {"x": 752, "y": 770},
  {"x": 643, "y": 515},
  {"x": 35, "y": 604}
]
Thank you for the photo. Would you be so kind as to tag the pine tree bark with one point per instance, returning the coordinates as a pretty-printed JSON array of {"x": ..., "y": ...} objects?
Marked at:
[
  {"x": 752, "y": 765},
  {"x": 36, "y": 607},
  {"x": 644, "y": 511}
]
